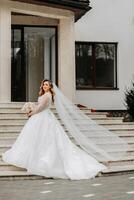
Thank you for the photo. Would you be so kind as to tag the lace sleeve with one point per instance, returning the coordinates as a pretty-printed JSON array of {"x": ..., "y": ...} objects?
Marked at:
[{"x": 42, "y": 104}]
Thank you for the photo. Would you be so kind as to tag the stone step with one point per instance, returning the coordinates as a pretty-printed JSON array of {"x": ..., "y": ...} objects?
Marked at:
[
  {"x": 13, "y": 122},
  {"x": 23, "y": 121},
  {"x": 9, "y": 131},
  {"x": 126, "y": 135},
  {"x": 3, "y": 149},
  {"x": 7, "y": 141},
  {"x": 24, "y": 175},
  {"x": 114, "y": 118},
  {"x": 19, "y": 114},
  {"x": 6, "y": 167},
  {"x": 12, "y": 105},
  {"x": 119, "y": 169},
  {"x": 6, "y": 116},
  {"x": 10, "y": 128},
  {"x": 18, "y": 111},
  {"x": 121, "y": 132},
  {"x": 125, "y": 165},
  {"x": 13, "y": 116},
  {"x": 115, "y": 127},
  {"x": 10, "y": 140},
  {"x": 14, "y": 135},
  {"x": 9, "y": 135},
  {"x": 18, "y": 175},
  {"x": 19, "y": 106},
  {"x": 6, "y": 135},
  {"x": 90, "y": 114},
  {"x": 10, "y": 110},
  {"x": 9, "y": 116},
  {"x": 9, "y": 107},
  {"x": 17, "y": 129},
  {"x": 119, "y": 126},
  {"x": 128, "y": 160},
  {"x": 7, "y": 144},
  {"x": 108, "y": 121},
  {"x": 113, "y": 122}
]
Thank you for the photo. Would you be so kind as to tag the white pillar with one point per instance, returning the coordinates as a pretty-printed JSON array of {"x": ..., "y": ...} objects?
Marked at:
[
  {"x": 5, "y": 52},
  {"x": 66, "y": 57}
]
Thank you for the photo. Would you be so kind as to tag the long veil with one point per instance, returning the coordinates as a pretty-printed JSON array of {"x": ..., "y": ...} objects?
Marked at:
[{"x": 95, "y": 139}]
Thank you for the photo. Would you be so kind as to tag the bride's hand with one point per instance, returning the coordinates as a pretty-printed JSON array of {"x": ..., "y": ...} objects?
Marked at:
[{"x": 29, "y": 114}]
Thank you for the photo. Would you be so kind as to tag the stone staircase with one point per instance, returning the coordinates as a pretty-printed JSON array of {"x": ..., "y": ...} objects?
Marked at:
[{"x": 12, "y": 120}]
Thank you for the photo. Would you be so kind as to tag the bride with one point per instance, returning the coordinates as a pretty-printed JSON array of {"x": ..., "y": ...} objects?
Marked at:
[{"x": 44, "y": 147}]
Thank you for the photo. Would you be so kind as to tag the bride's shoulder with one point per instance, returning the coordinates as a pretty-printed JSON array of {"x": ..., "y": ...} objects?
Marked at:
[{"x": 47, "y": 94}]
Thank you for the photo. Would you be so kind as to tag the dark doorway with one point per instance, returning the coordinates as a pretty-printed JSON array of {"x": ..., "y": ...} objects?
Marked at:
[{"x": 34, "y": 57}]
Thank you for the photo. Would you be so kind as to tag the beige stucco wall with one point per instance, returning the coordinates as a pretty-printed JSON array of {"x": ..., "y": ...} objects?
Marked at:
[
  {"x": 5, "y": 52},
  {"x": 33, "y": 20},
  {"x": 67, "y": 57}
]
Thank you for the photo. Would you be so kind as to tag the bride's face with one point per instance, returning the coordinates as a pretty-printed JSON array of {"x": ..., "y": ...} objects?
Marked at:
[{"x": 46, "y": 86}]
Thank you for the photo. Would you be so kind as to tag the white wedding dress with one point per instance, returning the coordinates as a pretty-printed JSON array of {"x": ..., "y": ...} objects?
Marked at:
[{"x": 44, "y": 148}]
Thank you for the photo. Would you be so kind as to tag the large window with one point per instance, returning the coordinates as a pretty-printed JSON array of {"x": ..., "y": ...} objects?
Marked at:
[{"x": 96, "y": 65}]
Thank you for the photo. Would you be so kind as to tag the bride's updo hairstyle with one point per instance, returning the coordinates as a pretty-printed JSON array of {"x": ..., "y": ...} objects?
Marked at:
[{"x": 41, "y": 92}]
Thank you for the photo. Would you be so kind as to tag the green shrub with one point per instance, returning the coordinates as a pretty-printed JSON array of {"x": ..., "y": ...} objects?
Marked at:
[{"x": 129, "y": 101}]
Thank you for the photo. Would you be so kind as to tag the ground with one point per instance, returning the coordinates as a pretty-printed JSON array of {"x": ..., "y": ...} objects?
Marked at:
[{"x": 102, "y": 188}]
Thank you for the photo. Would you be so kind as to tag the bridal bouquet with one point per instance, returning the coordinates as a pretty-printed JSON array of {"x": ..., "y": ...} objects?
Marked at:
[{"x": 27, "y": 107}]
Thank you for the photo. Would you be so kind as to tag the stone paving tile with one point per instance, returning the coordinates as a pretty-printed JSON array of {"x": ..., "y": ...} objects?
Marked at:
[{"x": 101, "y": 188}]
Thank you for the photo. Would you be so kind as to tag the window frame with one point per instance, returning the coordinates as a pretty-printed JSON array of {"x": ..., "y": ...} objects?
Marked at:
[{"x": 94, "y": 66}]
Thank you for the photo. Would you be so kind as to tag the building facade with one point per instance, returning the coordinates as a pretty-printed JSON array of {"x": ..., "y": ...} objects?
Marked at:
[
  {"x": 37, "y": 41},
  {"x": 105, "y": 39}
]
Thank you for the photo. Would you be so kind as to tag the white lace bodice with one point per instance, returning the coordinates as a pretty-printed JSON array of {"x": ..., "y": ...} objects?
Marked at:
[{"x": 44, "y": 102}]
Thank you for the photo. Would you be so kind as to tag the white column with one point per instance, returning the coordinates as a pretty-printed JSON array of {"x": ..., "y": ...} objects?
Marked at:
[
  {"x": 5, "y": 52},
  {"x": 66, "y": 58}
]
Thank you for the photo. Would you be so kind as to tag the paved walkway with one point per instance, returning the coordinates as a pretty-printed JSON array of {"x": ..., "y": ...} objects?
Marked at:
[{"x": 102, "y": 188}]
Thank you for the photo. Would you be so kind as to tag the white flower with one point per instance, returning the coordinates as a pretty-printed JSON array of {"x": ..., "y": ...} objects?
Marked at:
[{"x": 27, "y": 107}]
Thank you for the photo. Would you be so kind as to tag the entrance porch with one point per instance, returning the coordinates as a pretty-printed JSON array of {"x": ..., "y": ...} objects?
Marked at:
[{"x": 36, "y": 42}]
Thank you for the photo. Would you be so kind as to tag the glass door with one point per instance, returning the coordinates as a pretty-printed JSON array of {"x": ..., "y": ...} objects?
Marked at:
[
  {"x": 33, "y": 59},
  {"x": 34, "y": 56},
  {"x": 18, "y": 69}
]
